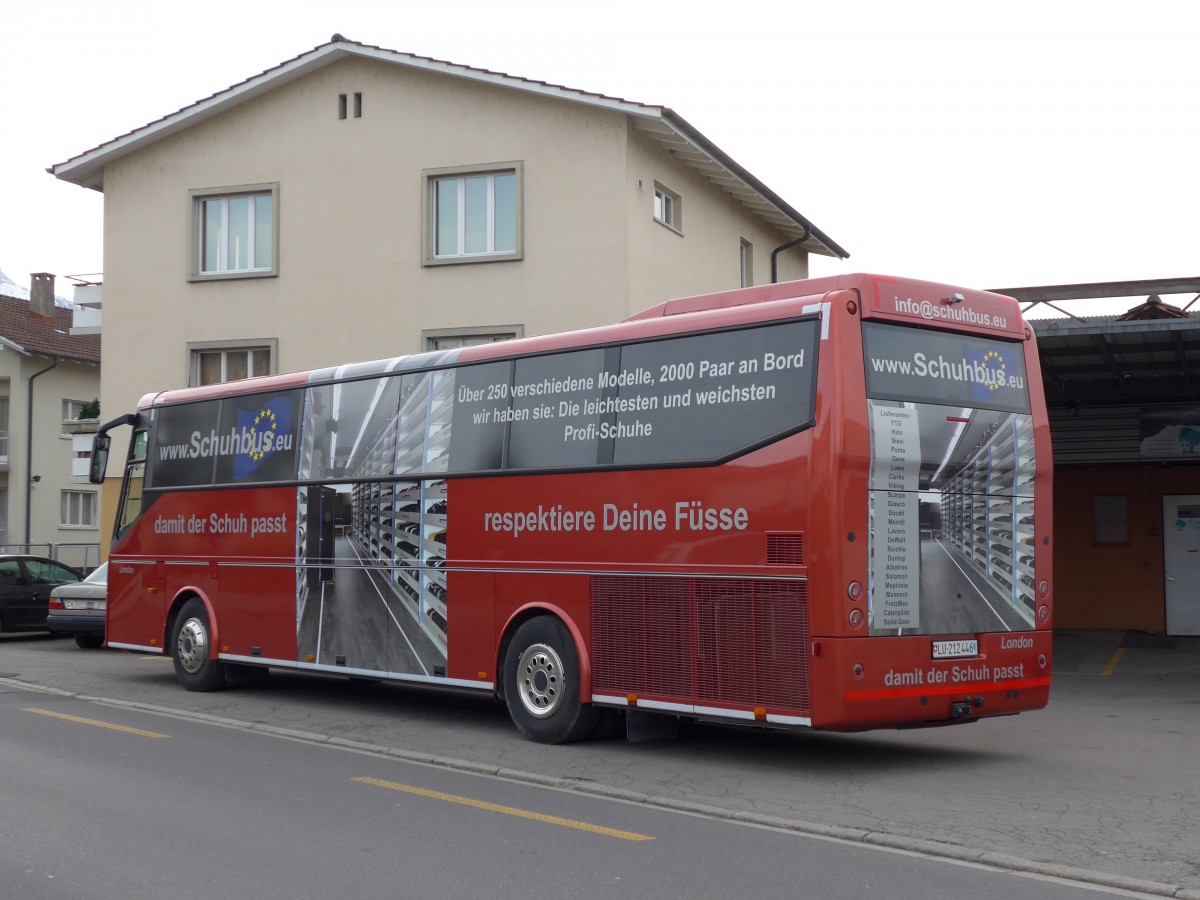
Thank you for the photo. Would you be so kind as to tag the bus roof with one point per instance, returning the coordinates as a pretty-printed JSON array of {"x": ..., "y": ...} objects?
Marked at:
[{"x": 883, "y": 296}]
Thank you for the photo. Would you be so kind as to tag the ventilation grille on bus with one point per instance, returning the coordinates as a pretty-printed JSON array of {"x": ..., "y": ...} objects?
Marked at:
[
  {"x": 731, "y": 640},
  {"x": 785, "y": 548}
]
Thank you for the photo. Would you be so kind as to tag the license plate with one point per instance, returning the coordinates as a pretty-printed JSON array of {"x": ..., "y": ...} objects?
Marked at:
[{"x": 955, "y": 649}]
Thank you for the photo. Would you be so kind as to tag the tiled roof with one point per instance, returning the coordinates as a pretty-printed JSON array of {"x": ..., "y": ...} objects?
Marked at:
[{"x": 20, "y": 327}]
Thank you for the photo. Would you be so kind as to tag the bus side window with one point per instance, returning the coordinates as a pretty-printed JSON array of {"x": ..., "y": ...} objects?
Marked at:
[
  {"x": 131, "y": 497},
  {"x": 137, "y": 448}
]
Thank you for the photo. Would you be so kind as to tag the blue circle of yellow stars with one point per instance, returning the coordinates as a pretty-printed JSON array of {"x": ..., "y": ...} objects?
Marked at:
[
  {"x": 992, "y": 355},
  {"x": 263, "y": 415}
]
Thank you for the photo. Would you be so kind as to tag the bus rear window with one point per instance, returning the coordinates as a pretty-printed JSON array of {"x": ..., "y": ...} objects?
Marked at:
[{"x": 921, "y": 366}]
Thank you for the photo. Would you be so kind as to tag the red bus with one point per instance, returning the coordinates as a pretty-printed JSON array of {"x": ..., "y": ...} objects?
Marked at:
[{"x": 817, "y": 504}]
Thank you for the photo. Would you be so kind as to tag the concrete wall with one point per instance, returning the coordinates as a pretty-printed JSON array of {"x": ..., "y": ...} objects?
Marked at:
[{"x": 703, "y": 256}]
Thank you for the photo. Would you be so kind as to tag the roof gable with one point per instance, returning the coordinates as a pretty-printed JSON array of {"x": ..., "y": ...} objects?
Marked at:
[{"x": 661, "y": 124}]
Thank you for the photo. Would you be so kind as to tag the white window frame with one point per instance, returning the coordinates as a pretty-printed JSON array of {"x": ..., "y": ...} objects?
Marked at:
[
  {"x": 433, "y": 339},
  {"x": 198, "y": 198},
  {"x": 77, "y": 505},
  {"x": 668, "y": 208},
  {"x": 432, "y": 177},
  {"x": 745, "y": 263},
  {"x": 197, "y": 348}
]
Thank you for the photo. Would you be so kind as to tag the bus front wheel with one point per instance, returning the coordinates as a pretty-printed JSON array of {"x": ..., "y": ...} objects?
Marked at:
[
  {"x": 191, "y": 640},
  {"x": 541, "y": 684}
]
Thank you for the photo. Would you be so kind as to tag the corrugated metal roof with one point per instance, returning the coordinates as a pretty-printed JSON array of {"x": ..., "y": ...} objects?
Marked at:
[{"x": 1150, "y": 354}]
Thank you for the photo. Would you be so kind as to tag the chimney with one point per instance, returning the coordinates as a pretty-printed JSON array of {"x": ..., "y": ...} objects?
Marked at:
[{"x": 41, "y": 296}]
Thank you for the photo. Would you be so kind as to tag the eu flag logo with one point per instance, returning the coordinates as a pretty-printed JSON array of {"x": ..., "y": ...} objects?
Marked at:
[
  {"x": 262, "y": 432},
  {"x": 987, "y": 371}
]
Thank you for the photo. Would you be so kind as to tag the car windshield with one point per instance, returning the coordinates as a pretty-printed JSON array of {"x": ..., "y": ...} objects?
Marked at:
[{"x": 100, "y": 575}]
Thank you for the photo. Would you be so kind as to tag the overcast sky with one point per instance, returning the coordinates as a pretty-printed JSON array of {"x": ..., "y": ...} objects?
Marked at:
[{"x": 987, "y": 144}]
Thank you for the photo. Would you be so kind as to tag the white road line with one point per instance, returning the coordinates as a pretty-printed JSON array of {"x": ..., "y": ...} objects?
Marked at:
[
  {"x": 971, "y": 581},
  {"x": 392, "y": 615}
]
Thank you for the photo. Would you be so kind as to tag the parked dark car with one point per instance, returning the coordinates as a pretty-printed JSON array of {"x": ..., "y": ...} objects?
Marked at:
[
  {"x": 25, "y": 585},
  {"x": 81, "y": 609}
]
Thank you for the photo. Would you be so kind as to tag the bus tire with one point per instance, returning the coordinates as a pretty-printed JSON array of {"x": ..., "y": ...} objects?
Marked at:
[
  {"x": 541, "y": 684},
  {"x": 191, "y": 639},
  {"x": 88, "y": 641}
]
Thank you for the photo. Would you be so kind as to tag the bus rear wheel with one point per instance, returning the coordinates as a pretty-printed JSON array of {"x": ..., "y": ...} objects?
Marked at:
[
  {"x": 190, "y": 648},
  {"x": 541, "y": 684}
]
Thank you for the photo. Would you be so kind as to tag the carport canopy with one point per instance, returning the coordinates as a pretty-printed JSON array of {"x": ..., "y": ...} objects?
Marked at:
[{"x": 1149, "y": 354}]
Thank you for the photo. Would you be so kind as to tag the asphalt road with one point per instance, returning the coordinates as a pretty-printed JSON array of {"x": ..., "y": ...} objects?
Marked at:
[
  {"x": 120, "y": 803},
  {"x": 1100, "y": 786}
]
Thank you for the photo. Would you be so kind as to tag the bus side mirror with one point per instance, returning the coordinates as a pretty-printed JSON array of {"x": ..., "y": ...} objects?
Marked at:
[{"x": 99, "y": 466}]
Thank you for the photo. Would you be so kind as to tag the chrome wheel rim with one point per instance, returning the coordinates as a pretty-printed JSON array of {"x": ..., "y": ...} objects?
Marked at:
[
  {"x": 541, "y": 681},
  {"x": 191, "y": 647}
]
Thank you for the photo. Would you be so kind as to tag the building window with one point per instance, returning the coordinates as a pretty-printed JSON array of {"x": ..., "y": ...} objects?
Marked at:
[
  {"x": 218, "y": 363},
  {"x": 746, "y": 263},
  {"x": 4, "y": 429},
  {"x": 668, "y": 208},
  {"x": 1110, "y": 520},
  {"x": 235, "y": 232},
  {"x": 453, "y": 338},
  {"x": 473, "y": 214},
  {"x": 72, "y": 410},
  {"x": 78, "y": 509}
]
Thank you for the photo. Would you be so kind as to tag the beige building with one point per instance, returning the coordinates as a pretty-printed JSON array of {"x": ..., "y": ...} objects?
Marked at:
[
  {"x": 357, "y": 203},
  {"x": 47, "y": 376}
]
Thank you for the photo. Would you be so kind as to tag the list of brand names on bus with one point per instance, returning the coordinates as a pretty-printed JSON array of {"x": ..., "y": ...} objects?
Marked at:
[
  {"x": 895, "y": 512},
  {"x": 677, "y": 398}
]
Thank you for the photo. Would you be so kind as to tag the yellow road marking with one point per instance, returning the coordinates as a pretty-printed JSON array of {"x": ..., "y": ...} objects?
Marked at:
[
  {"x": 1112, "y": 663},
  {"x": 97, "y": 723},
  {"x": 507, "y": 810},
  {"x": 1108, "y": 669}
]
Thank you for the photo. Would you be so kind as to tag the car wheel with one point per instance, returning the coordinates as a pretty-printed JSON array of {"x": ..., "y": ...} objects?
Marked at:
[
  {"x": 191, "y": 639},
  {"x": 541, "y": 684},
  {"x": 89, "y": 641}
]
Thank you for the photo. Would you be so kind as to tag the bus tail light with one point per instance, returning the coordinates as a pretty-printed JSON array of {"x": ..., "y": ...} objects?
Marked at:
[
  {"x": 858, "y": 671},
  {"x": 856, "y": 618},
  {"x": 1041, "y": 660},
  {"x": 854, "y": 591}
]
